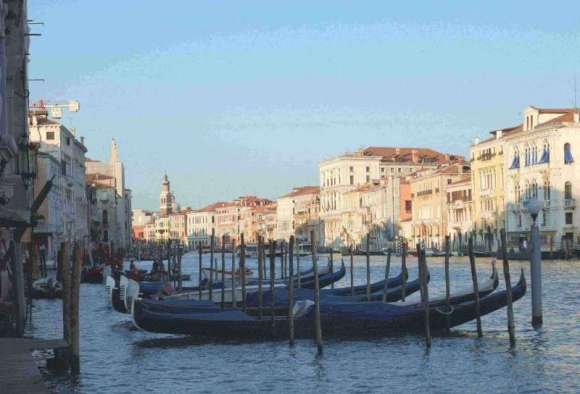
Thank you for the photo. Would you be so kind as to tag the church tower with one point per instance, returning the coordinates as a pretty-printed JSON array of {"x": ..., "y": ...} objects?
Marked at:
[{"x": 166, "y": 199}]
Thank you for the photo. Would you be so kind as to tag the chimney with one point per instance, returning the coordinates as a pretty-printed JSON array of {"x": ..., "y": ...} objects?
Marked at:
[
  {"x": 498, "y": 134},
  {"x": 414, "y": 156},
  {"x": 82, "y": 140},
  {"x": 397, "y": 151}
]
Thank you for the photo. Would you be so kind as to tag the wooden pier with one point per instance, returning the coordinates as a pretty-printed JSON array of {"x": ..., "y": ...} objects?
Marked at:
[{"x": 18, "y": 371}]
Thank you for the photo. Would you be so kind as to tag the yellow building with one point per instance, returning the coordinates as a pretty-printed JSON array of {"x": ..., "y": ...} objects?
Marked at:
[{"x": 487, "y": 178}]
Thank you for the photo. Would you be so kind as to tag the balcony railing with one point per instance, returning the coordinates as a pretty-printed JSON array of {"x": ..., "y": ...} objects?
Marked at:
[{"x": 569, "y": 203}]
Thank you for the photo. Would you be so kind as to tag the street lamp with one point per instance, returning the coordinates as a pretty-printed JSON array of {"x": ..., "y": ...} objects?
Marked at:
[{"x": 533, "y": 207}]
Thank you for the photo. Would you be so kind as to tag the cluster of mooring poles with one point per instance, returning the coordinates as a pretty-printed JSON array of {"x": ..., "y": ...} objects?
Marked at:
[{"x": 288, "y": 258}]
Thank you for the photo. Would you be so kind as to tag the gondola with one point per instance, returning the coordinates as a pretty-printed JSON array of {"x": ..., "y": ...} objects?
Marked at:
[
  {"x": 339, "y": 319},
  {"x": 47, "y": 288},
  {"x": 362, "y": 289},
  {"x": 323, "y": 280},
  {"x": 92, "y": 274}
]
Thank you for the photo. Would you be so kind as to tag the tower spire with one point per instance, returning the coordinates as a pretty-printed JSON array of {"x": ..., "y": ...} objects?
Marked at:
[{"x": 114, "y": 152}]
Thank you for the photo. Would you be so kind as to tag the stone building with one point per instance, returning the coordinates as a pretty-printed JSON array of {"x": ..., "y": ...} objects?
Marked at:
[
  {"x": 429, "y": 201},
  {"x": 113, "y": 200},
  {"x": 460, "y": 213},
  {"x": 66, "y": 206},
  {"x": 487, "y": 184},
  {"x": 349, "y": 171},
  {"x": 297, "y": 213},
  {"x": 540, "y": 162}
]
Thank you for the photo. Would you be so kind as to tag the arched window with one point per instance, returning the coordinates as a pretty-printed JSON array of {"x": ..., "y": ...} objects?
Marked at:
[
  {"x": 568, "y": 159},
  {"x": 568, "y": 190},
  {"x": 105, "y": 217}
]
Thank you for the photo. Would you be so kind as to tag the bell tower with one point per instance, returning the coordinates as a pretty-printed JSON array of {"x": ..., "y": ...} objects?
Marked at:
[{"x": 166, "y": 198}]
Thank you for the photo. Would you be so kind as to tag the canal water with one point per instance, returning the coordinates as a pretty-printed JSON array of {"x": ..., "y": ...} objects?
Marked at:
[{"x": 116, "y": 358}]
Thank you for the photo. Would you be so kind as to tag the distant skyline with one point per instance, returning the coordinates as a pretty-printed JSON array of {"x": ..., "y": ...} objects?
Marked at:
[{"x": 234, "y": 98}]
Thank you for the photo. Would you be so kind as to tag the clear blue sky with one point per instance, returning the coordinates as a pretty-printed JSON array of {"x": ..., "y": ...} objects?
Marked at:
[{"x": 240, "y": 97}]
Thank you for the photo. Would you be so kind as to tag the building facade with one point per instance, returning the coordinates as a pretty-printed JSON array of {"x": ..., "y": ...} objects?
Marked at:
[
  {"x": 429, "y": 201},
  {"x": 297, "y": 213},
  {"x": 349, "y": 171},
  {"x": 540, "y": 163}
]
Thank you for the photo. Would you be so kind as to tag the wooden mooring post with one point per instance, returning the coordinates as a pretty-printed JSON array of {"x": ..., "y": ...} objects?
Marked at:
[
  {"x": 260, "y": 275},
  {"x": 211, "y": 263},
  {"x": 331, "y": 265},
  {"x": 508, "y": 285},
  {"x": 368, "y": 268},
  {"x": 272, "y": 279},
  {"x": 66, "y": 296},
  {"x": 351, "y": 271},
  {"x": 387, "y": 269},
  {"x": 243, "y": 270},
  {"x": 234, "y": 302},
  {"x": 317, "y": 323},
  {"x": 291, "y": 290},
  {"x": 298, "y": 269},
  {"x": 404, "y": 271},
  {"x": 422, "y": 264},
  {"x": 199, "y": 263},
  {"x": 74, "y": 309},
  {"x": 223, "y": 298},
  {"x": 475, "y": 286},
  {"x": 447, "y": 283}
]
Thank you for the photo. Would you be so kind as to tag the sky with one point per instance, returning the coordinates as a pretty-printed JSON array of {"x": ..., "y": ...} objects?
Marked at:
[{"x": 247, "y": 97}]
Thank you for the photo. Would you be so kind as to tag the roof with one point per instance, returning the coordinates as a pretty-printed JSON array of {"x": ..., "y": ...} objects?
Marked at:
[
  {"x": 408, "y": 154},
  {"x": 567, "y": 117},
  {"x": 302, "y": 190}
]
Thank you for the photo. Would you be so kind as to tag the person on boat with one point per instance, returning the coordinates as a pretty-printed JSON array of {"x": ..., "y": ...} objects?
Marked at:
[{"x": 134, "y": 272}]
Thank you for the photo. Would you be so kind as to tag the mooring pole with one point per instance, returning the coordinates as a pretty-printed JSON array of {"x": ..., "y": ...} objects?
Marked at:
[
  {"x": 74, "y": 313},
  {"x": 211, "y": 265},
  {"x": 317, "y": 323},
  {"x": 422, "y": 262},
  {"x": 475, "y": 286},
  {"x": 351, "y": 271},
  {"x": 291, "y": 290},
  {"x": 404, "y": 271},
  {"x": 223, "y": 271},
  {"x": 536, "y": 271},
  {"x": 368, "y": 269},
  {"x": 508, "y": 285},
  {"x": 331, "y": 265},
  {"x": 260, "y": 275},
  {"x": 298, "y": 272},
  {"x": 447, "y": 283},
  {"x": 199, "y": 270},
  {"x": 272, "y": 279},
  {"x": 387, "y": 269},
  {"x": 243, "y": 270},
  {"x": 234, "y": 303},
  {"x": 66, "y": 296}
]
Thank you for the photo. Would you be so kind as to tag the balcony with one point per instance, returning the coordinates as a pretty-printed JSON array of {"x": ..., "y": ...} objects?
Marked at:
[{"x": 569, "y": 203}]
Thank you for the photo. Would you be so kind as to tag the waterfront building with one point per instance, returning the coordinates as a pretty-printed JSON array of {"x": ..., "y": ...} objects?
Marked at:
[
  {"x": 540, "y": 161},
  {"x": 178, "y": 226},
  {"x": 297, "y": 213},
  {"x": 109, "y": 178},
  {"x": 162, "y": 228},
  {"x": 200, "y": 223},
  {"x": 429, "y": 202},
  {"x": 349, "y": 171},
  {"x": 265, "y": 222},
  {"x": 140, "y": 218},
  {"x": 54, "y": 139},
  {"x": 150, "y": 231},
  {"x": 460, "y": 212},
  {"x": 487, "y": 184}
]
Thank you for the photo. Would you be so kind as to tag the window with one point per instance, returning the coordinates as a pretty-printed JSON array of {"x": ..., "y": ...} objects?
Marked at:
[
  {"x": 351, "y": 168},
  {"x": 568, "y": 190},
  {"x": 352, "y": 180},
  {"x": 368, "y": 169},
  {"x": 547, "y": 190},
  {"x": 407, "y": 206},
  {"x": 516, "y": 160},
  {"x": 63, "y": 167},
  {"x": 569, "y": 218},
  {"x": 568, "y": 159},
  {"x": 50, "y": 135},
  {"x": 368, "y": 178},
  {"x": 68, "y": 140}
]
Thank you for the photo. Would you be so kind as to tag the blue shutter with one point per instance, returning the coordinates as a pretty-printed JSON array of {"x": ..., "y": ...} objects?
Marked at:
[{"x": 515, "y": 162}]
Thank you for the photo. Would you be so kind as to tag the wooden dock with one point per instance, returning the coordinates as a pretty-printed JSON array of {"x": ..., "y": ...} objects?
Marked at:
[{"x": 18, "y": 371}]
